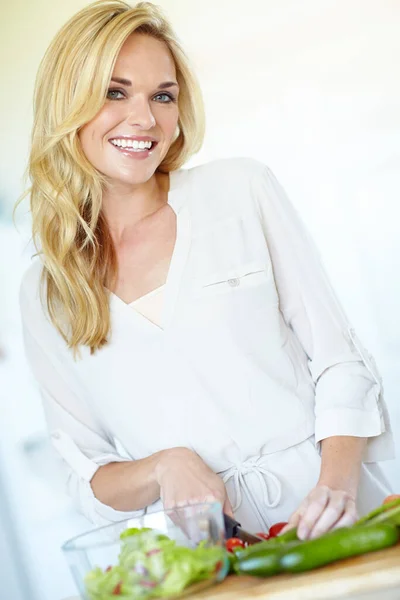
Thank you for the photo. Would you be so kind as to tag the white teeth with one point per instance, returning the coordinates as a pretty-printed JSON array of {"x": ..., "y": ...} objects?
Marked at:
[{"x": 134, "y": 144}]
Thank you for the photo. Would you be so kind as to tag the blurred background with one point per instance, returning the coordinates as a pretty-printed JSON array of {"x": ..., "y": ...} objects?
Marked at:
[{"x": 310, "y": 87}]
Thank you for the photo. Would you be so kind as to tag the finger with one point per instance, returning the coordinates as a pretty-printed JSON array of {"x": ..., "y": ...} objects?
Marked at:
[
  {"x": 349, "y": 516},
  {"x": 294, "y": 520},
  {"x": 287, "y": 528},
  {"x": 317, "y": 502},
  {"x": 332, "y": 514}
]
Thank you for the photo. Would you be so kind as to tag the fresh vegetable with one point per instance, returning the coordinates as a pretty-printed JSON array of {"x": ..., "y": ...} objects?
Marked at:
[
  {"x": 232, "y": 563},
  {"x": 338, "y": 544},
  {"x": 389, "y": 499},
  {"x": 263, "y": 536},
  {"x": 153, "y": 566},
  {"x": 390, "y": 515},
  {"x": 232, "y": 543},
  {"x": 289, "y": 536},
  {"x": 117, "y": 591},
  {"x": 273, "y": 543},
  {"x": 378, "y": 511},
  {"x": 265, "y": 562},
  {"x": 275, "y": 530},
  {"x": 130, "y": 531}
]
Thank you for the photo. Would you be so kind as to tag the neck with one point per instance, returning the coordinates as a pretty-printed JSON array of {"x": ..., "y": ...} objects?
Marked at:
[{"x": 124, "y": 207}]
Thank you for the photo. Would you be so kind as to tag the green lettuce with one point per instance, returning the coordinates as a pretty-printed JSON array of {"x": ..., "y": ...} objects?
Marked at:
[{"x": 151, "y": 565}]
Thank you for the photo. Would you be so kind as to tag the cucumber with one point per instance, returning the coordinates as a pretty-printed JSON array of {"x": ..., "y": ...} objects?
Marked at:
[
  {"x": 338, "y": 544},
  {"x": 265, "y": 562},
  {"x": 232, "y": 562},
  {"x": 289, "y": 536},
  {"x": 391, "y": 515},
  {"x": 276, "y": 542},
  {"x": 378, "y": 511}
]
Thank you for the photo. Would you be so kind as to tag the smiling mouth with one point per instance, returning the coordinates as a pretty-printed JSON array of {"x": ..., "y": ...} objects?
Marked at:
[{"x": 133, "y": 145}]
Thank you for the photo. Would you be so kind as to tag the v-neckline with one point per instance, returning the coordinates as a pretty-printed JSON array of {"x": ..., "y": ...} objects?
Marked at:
[{"x": 177, "y": 263}]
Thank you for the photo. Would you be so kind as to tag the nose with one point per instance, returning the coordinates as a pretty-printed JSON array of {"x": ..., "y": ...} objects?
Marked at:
[{"x": 140, "y": 114}]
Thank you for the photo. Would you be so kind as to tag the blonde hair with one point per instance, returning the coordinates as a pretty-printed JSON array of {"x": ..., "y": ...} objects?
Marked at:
[{"x": 69, "y": 230}]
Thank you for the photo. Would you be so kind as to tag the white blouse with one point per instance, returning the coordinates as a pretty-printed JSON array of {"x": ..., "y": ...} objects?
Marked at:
[{"x": 252, "y": 365}]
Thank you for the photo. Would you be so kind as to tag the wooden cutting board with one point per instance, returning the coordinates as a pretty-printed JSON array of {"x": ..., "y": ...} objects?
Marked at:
[{"x": 374, "y": 571}]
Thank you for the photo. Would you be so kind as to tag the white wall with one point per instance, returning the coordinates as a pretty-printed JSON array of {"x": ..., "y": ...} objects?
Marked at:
[{"x": 310, "y": 87}]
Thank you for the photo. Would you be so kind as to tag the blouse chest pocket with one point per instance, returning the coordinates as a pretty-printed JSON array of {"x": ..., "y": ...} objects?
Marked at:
[
  {"x": 233, "y": 280},
  {"x": 240, "y": 307}
]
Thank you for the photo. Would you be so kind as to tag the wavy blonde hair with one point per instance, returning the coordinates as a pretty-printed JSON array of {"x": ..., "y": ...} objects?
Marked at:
[{"x": 69, "y": 230}]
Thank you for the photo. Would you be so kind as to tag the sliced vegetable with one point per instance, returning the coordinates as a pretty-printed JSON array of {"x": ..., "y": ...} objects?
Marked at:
[
  {"x": 232, "y": 543},
  {"x": 133, "y": 531},
  {"x": 275, "y": 530},
  {"x": 277, "y": 542},
  {"x": 338, "y": 544},
  {"x": 151, "y": 565},
  {"x": 263, "y": 536},
  {"x": 117, "y": 591}
]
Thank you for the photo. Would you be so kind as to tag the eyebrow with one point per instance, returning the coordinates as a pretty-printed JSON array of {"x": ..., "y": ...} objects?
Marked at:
[{"x": 163, "y": 86}]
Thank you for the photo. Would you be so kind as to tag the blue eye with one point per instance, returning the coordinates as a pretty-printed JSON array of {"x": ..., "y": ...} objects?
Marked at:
[
  {"x": 113, "y": 94},
  {"x": 167, "y": 98}
]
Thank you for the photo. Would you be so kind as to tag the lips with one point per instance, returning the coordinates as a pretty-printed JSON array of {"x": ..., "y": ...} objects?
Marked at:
[
  {"x": 136, "y": 147},
  {"x": 134, "y": 152},
  {"x": 123, "y": 140}
]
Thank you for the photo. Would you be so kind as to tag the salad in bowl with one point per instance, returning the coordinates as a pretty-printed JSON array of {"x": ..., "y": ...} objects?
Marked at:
[{"x": 165, "y": 554}]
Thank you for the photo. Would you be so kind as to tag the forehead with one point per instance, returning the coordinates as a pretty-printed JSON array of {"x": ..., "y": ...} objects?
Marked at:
[{"x": 144, "y": 57}]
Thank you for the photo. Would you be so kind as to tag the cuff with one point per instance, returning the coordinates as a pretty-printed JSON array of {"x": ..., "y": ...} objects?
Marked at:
[
  {"x": 357, "y": 423},
  {"x": 81, "y": 472}
]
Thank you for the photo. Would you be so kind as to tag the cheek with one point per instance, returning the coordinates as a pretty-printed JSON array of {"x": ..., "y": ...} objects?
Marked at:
[
  {"x": 167, "y": 120},
  {"x": 86, "y": 136},
  {"x": 92, "y": 134}
]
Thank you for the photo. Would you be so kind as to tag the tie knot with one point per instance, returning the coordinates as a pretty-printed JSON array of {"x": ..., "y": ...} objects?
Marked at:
[{"x": 239, "y": 471}]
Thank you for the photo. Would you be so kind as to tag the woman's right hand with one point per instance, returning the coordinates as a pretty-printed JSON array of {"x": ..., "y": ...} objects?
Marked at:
[{"x": 184, "y": 478}]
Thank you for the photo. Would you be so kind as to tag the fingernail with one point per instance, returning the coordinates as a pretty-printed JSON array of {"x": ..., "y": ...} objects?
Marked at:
[{"x": 302, "y": 532}]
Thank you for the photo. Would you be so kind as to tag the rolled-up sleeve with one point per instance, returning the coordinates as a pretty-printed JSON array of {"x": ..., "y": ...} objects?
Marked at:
[
  {"x": 348, "y": 388},
  {"x": 76, "y": 434}
]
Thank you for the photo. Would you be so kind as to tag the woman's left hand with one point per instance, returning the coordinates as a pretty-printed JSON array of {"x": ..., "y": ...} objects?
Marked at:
[{"x": 323, "y": 509}]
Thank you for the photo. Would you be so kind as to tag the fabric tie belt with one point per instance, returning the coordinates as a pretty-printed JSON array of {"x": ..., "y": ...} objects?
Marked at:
[{"x": 238, "y": 473}]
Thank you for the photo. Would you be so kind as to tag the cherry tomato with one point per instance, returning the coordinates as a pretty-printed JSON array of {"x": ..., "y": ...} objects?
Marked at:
[
  {"x": 275, "y": 530},
  {"x": 233, "y": 543},
  {"x": 263, "y": 536},
  {"x": 391, "y": 498},
  {"x": 117, "y": 591}
]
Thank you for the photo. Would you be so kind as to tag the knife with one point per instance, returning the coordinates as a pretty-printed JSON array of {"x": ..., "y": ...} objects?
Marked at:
[{"x": 234, "y": 529}]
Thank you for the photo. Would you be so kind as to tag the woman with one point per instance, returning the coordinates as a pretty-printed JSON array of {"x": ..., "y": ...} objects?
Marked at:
[{"x": 187, "y": 344}]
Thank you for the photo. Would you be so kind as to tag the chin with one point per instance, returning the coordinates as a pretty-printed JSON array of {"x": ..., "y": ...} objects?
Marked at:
[{"x": 137, "y": 176}]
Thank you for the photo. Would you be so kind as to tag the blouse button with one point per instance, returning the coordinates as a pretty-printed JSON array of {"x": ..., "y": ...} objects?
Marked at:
[{"x": 233, "y": 282}]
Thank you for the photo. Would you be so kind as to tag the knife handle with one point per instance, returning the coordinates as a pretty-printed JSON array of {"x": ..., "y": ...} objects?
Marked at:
[{"x": 231, "y": 526}]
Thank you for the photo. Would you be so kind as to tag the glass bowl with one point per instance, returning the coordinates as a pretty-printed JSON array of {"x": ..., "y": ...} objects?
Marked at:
[{"x": 182, "y": 551}]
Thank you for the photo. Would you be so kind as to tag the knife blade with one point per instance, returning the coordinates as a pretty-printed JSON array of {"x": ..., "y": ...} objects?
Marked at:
[{"x": 234, "y": 529}]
